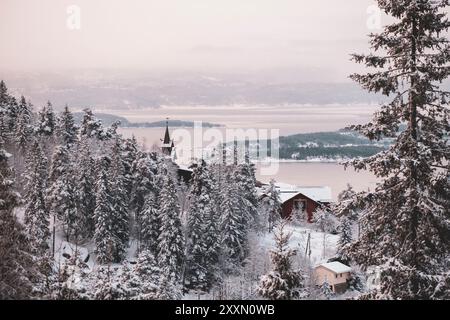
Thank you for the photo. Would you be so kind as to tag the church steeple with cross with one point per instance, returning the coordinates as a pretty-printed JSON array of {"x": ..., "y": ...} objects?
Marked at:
[{"x": 167, "y": 144}]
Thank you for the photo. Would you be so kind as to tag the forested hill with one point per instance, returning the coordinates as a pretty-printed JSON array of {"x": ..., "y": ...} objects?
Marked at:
[{"x": 329, "y": 146}]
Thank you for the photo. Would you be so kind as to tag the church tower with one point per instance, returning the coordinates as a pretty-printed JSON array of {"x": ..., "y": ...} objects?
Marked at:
[{"x": 167, "y": 144}]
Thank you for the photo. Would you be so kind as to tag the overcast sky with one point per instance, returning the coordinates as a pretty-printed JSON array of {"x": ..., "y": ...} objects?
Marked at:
[{"x": 184, "y": 34}]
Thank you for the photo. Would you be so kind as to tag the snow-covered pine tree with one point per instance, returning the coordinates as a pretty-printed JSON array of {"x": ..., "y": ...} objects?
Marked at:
[
  {"x": 325, "y": 220},
  {"x": 61, "y": 193},
  {"x": 26, "y": 108},
  {"x": 18, "y": 274},
  {"x": 22, "y": 134},
  {"x": 171, "y": 238},
  {"x": 406, "y": 225},
  {"x": 104, "y": 237},
  {"x": 145, "y": 277},
  {"x": 129, "y": 156},
  {"x": 91, "y": 127},
  {"x": 212, "y": 233},
  {"x": 12, "y": 110},
  {"x": 150, "y": 226},
  {"x": 85, "y": 189},
  {"x": 346, "y": 206},
  {"x": 144, "y": 170},
  {"x": 346, "y": 194},
  {"x": 37, "y": 216},
  {"x": 23, "y": 129},
  {"x": 245, "y": 177},
  {"x": 120, "y": 215},
  {"x": 108, "y": 284},
  {"x": 233, "y": 225},
  {"x": 66, "y": 129},
  {"x": 282, "y": 283},
  {"x": 345, "y": 236},
  {"x": 4, "y": 132},
  {"x": 168, "y": 290},
  {"x": 271, "y": 206},
  {"x": 4, "y": 96},
  {"x": 46, "y": 125},
  {"x": 7, "y": 112},
  {"x": 203, "y": 242},
  {"x": 195, "y": 273},
  {"x": 325, "y": 291}
]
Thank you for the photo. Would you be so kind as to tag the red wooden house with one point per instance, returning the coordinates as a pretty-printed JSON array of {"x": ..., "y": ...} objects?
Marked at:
[{"x": 302, "y": 201}]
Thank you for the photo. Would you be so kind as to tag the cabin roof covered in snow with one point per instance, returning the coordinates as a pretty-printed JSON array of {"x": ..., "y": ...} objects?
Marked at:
[
  {"x": 184, "y": 168},
  {"x": 336, "y": 267},
  {"x": 319, "y": 194}
]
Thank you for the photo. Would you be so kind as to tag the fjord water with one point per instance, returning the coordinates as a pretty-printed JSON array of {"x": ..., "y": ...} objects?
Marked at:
[{"x": 287, "y": 119}]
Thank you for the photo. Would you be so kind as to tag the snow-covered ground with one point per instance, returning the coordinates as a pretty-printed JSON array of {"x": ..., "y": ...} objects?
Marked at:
[
  {"x": 323, "y": 245},
  {"x": 244, "y": 284}
]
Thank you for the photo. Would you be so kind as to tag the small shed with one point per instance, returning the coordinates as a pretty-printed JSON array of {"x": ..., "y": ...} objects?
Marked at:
[{"x": 335, "y": 274}]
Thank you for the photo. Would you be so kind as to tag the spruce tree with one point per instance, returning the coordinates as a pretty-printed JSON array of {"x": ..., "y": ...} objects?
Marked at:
[
  {"x": 26, "y": 109},
  {"x": 46, "y": 125},
  {"x": 406, "y": 227},
  {"x": 203, "y": 241},
  {"x": 66, "y": 129},
  {"x": 282, "y": 283},
  {"x": 145, "y": 278},
  {"x": 104, "y": 237},
  {"x": 91, "y": 127},
  {"x": 61, "y": 193},
  {"x": 325, "y": 291},
  {"x": 129, "y": 156},
  {"x": 171, "y": 240},
  {"x": 22, "y": 134},
  {"x": 18, "y": 274},
  {"x": 6, "y": 102},
  {"x": 4, "y": 96},
  {"x": 346, "y": 194},
  {"x": 244, "y": 175},
  {"x": 85, "y": 189},
  {"x": 345, "y": 236},
  {"x": 37, "y": 216},
  {"x": 195, "y": 273},
  {"x": 23, "y": 128},
  {"x": 144, "y": 170},
  {"x": 233, "y": 225},
  {"x": 120, "y": 218},
  {"x": 12, "y": 109},
  {"x": 271, "y": 206},
  {"x": 151, "y": 224}
]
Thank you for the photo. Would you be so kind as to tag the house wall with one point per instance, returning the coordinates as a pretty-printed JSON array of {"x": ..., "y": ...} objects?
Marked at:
[
  {"x": 288, "y": 206},
  {"x": 322, "y": 275}
]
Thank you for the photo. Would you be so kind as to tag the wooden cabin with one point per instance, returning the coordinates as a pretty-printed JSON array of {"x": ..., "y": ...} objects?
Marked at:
[
  {"x": 335, "y": 274},
  {"x": 302, "y": 201}
]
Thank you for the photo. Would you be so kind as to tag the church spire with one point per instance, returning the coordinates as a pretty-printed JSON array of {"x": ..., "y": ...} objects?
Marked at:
[
  {"x": 167, "y": 145},
  {"x": 167, "y": 135}
]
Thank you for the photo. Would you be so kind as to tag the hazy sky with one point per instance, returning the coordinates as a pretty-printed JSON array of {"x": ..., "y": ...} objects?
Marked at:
[{"x": 184, "y": 34}]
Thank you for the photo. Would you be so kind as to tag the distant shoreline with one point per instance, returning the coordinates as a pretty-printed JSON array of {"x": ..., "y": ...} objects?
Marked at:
[{"x": 108, "y": 119}]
